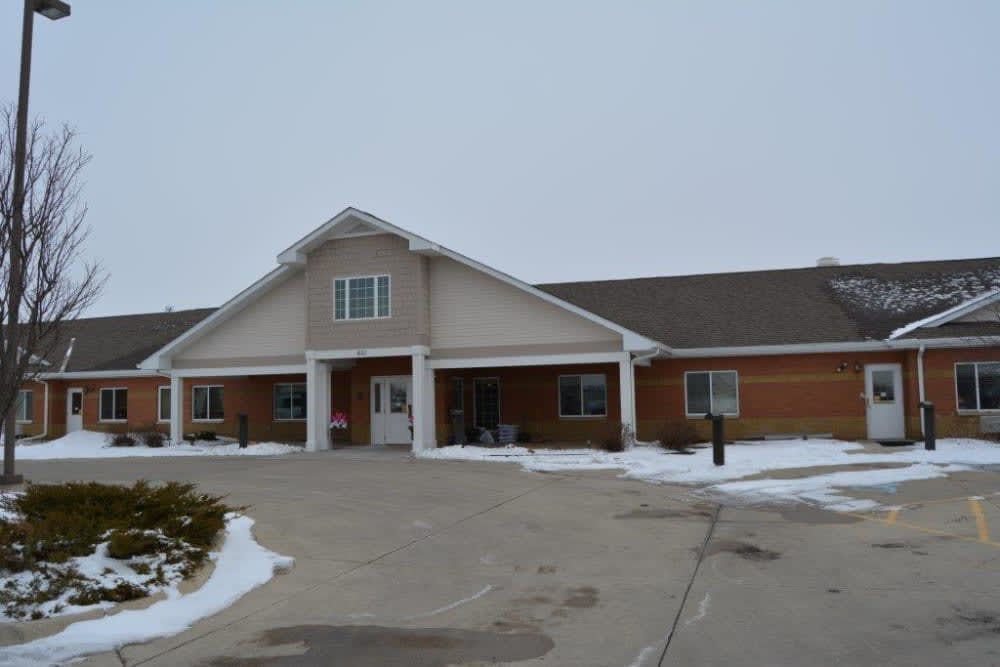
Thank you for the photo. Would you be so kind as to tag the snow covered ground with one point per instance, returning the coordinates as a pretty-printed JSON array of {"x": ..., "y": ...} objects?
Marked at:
[
  {"x": 93, "y": 445},
  {"x": 651, "y": 464},
  {"x": 240, "y": 566}
]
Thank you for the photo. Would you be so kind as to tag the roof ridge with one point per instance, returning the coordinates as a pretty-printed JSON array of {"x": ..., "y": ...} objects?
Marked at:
[{"x": 837, "y": 267}]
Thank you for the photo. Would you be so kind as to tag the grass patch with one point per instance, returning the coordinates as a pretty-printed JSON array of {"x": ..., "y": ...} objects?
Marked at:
[{"x": 79, "y": 544}]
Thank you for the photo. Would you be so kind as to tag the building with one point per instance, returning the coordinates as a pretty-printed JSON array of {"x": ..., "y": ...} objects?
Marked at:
[{"x": 397, "y": 332}]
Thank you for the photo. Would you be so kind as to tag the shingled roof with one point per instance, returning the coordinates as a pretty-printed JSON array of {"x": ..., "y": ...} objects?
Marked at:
[
  {"x": 828, "y": 304},
  {"x": 119, "y": 342}
]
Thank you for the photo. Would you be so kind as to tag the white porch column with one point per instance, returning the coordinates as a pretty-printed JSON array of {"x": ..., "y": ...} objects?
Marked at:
[
  {"x": 626, "y": 391},
  {"x": 419, "y": 406},
  {"x": 176, "y": 408},
  {"x": 430, "y": 421},
  {"x": 318, "y": 407}
]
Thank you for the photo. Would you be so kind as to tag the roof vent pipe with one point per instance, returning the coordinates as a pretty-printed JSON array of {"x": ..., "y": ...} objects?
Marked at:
[{"x": 827, "y": 261}]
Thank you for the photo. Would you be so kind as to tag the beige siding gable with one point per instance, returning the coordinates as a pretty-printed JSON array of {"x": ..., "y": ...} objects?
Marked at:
[
  {"x": 988, "y": 313},
  {"x": 272, "y": 326},
  {"x": 368, "y": 255},
  {"x": 470, "y": 309}
]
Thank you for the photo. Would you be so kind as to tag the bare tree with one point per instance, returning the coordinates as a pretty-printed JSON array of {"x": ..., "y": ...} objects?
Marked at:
[{"x": 51, "y": 283}]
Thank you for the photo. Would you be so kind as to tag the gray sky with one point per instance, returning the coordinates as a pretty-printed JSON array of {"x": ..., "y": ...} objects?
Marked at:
[{"x": 555, "y": 141}]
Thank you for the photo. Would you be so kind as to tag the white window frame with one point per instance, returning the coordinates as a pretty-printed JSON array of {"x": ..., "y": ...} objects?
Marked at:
[
  {"x": 711, "y": 400},
  {"x": 22, "y": 406},
  {"x": 347, "y": 297},
  {"x": 208, "y": 403},
  {"x": 580, "y": 376},
  {"x": 100, "y": 405},
  {"x": 274, "y": 403},
  {"x": 159, "y": 404},
  {"x": 977, "y": 410}
]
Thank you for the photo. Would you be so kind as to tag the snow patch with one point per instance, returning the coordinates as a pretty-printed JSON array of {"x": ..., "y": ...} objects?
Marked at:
[
  {"x": 916, "y": 294},
  {"x": 240, "y": 566},
  {"x": 93, "y": 445},
  {"x": 656, "y": 466},
  {"x": 702, "y": 610}
]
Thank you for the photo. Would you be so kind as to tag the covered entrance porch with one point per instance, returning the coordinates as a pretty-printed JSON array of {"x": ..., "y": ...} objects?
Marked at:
[{"x": 426, "y": 400}]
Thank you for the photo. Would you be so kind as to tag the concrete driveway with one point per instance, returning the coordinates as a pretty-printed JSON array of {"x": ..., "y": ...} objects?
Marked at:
[{"x": 404, "y": 562}]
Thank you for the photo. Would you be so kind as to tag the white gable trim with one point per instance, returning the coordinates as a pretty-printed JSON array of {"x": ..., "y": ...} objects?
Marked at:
[
  {"x": 160, "y": 359},
  {"x": 296, "y": 255},
  {"x": 949, "y": 315}
]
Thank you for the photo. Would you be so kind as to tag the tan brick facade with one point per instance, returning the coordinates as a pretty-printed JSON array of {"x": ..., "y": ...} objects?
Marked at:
[{"x": 778, "y": 394}]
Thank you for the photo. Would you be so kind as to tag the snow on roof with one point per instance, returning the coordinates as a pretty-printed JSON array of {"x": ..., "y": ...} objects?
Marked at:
[{"x": 918, "y": 293}]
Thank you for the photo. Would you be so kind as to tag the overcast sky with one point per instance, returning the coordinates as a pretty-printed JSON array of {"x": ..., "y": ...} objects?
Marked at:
[{"x": 555, "y": 141}]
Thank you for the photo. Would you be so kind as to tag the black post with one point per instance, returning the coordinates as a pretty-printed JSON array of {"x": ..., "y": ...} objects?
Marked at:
[
  {"x": 718, "y": 439},
  {"x": 930, "y": 426},
  {"x": 244, "y": 430}
]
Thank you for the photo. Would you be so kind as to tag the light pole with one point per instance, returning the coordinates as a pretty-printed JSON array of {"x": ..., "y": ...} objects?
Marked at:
[{"x": 50, "y": 9}]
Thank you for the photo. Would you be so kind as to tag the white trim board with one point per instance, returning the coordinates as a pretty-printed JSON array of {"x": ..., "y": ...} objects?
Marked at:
[
  {"x": 237, "y": 371},
  {"x": 530, "y": 360}
]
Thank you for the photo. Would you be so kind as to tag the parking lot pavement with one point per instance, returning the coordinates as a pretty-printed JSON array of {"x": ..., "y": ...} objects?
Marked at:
[{"x": 402, "y": 562}]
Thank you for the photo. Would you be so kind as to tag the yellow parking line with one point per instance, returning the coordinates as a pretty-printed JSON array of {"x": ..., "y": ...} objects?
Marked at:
[
  {"x": 893, "y": 515},
  {"x": 977, "y": 511},
  {"x": 923, "y": 529}
]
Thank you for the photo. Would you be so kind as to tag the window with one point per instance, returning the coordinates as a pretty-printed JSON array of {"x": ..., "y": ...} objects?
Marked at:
[
  {"x": 163, "y": 403},
  {"x": 25, "y": 406},
  {"x": 207, "y": 403},
  {"x": 290, "y": 401},
  {"x": 977, "y": 385},
  {"x": 486, "y": 402},
  {"x": 114, "y": 404},
  {"x": 712, "y": 391},
  {"x": 363, "y": 298},
  {"x": 583, "y": 396}
]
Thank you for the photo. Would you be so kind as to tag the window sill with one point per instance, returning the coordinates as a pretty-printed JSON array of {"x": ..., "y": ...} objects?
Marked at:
[
  {"x": 208, "y": 421},
  {"x": 302, "y": 420},
  {"x": 975, "y": 413},
  {"x": 112, "y": 421},
  {"x": 727, "y": 415},
  {"x": 583, "y": 417},
  {"x": 162, "y": 421},
  {"x": 25, "y": 421}
]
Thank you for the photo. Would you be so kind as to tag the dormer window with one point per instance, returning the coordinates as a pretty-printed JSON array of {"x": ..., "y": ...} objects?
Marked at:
[{"x": 361, "y": 298}]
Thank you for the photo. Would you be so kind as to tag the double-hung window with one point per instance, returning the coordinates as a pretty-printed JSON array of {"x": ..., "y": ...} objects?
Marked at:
[
  {"x": 977, "y": 385},
  {"x": 114, "y": 404},
  {"x": 163, "y": 403},
  {"x": 583, "y": 395},
  {"x": 712, "y": 391},
  {"x": 25, "y": 406},
  {"x": 289, "y": 401},
  {"x": 206, "y": 403},
  {"x": 363, "y": 298}
]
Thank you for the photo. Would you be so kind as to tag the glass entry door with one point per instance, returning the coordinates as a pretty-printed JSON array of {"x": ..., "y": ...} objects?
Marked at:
[{"x": 391, "y": 409}]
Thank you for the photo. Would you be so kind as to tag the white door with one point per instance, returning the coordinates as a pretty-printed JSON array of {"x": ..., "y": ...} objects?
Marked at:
[
  {"x": 391, "y": 409},
  {"x": 884, "y": 395},
  {"x": 74, "y": 410}
]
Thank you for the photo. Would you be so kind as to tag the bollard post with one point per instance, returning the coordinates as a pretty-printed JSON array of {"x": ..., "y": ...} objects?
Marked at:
[
  {"x": 718, "y": 439},
  {"x": 244, "y": 430},
  {"x": 930, "y": 426}
]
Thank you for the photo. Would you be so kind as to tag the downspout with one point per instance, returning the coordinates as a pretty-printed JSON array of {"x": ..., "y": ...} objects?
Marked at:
[
  {"x": 920, "y": 383},
  {"x": 656, "y": 352}
]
